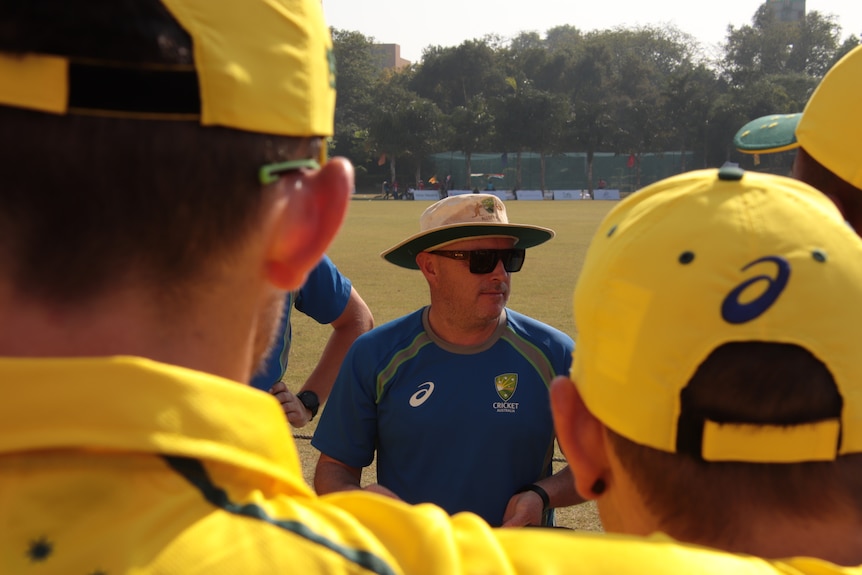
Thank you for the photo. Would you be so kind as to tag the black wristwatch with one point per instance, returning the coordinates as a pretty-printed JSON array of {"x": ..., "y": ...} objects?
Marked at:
[{"x": 310, "y": 400}]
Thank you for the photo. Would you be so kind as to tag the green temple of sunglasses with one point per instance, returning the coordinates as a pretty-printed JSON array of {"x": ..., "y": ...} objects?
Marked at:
[{"x": 270, "y": 173}]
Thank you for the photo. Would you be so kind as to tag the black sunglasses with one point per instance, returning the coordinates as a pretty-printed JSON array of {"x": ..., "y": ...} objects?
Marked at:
[{"x": 484, "y": 261}]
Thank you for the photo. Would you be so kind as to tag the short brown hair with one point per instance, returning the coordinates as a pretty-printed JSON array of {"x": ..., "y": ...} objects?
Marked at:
[
  {"x": 87, "y": 199},
  {"x": 755, "y": 382}
]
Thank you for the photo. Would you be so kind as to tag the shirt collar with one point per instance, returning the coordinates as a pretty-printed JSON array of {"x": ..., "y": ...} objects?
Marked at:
[{"x": 134, "y": 404}]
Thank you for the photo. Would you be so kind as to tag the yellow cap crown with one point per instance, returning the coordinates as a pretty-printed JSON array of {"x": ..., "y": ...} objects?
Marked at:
[
  {"x": 706, "y": 258},
  {"x": 832, "y": 120}
]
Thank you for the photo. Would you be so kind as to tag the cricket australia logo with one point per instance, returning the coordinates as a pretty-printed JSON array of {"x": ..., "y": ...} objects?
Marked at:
[{"x": 506, "y": 384}]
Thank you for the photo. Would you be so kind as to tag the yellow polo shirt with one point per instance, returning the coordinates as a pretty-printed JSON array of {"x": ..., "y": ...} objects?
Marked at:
[{"x": 124, "y": 465}]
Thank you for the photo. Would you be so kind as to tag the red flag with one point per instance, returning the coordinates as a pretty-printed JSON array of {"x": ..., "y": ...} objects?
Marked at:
[
  {"x": 631, "y": 162},
  {"x": 382, "y": 160}
]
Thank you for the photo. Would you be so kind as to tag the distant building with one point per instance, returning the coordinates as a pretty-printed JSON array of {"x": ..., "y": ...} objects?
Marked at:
[
  {"x": 788, "y": 10},
  {"x": 388, "y": 56}
]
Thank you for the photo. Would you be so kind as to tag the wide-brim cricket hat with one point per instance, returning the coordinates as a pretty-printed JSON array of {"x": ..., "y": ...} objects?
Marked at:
[
  {"x": 706, "y": 258},
  {"x": 259, "y": 65},
  {"x": 463, "y": 217},
  {"x": 828, "y": 128}
]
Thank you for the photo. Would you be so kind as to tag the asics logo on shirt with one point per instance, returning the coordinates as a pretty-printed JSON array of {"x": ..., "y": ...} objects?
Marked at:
[{"x": 424, "y": 392}]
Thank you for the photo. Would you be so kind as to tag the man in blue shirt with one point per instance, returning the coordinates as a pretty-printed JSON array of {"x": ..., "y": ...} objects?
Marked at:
[
  {"x": 453, "y": 398},
  {"x": 328, "y": 297}
]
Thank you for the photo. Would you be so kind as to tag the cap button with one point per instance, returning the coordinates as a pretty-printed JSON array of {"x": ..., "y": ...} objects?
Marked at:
[{"x": 730, "y": 173}]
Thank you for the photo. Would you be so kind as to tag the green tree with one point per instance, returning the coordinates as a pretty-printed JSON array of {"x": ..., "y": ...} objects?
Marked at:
[
  {"x": 617, "y": 81},
  {"x": 356, "y": 77},
  {"x": 624, "y": 90},
  {"x": 471, "y": 129},
  {"x": 771, "y": 67},
  {"x": 404, "y": 126},
  {"x": 562, "y": 38},
  {"x": 792, "y": 56},
  {"x": 530, "y": 120},
  {"x": 453, "y": 77},
  {"x": 689, "y": 95}
]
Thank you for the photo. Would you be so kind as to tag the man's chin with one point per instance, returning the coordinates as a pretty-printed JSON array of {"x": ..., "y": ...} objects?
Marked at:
[
  {"x": 496, "y": 300},
  {"x": 490, "y": 308}
]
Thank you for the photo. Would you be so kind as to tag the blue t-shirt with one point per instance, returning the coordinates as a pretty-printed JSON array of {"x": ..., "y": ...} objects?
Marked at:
[
  {"x": 461, "y": 427},
  {"x": 323, "y": 297}
]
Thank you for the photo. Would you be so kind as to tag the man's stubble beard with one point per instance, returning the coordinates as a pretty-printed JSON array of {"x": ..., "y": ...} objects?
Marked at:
[{"x": 268, "y": 322}]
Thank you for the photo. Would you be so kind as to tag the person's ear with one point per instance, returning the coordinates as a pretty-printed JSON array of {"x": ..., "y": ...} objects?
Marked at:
[
  {"x": 426, "y": 264},
  {"x": 581, "y": 437},
  {"x": 309, "y": 213}
]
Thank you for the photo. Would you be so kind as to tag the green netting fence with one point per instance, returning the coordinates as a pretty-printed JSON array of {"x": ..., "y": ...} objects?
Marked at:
[{"x": 562, "y": 171}]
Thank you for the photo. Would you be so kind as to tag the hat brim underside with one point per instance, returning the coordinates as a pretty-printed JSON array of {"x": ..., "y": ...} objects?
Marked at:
[
  {"x": 404, "y": 254},
  {"x": 768, "y": 134}
]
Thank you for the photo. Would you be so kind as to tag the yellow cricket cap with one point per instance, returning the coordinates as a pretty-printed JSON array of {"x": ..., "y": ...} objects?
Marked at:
[
  {"x": 259, "y": 65},
  {"x": 832, "y": 120},
  {"x": 705, "y": 258},
  {"x": 827, "y": 128}
]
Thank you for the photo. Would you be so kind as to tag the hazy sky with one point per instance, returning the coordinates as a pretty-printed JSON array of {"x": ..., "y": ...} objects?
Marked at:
[{"x": 415, "y": 25}]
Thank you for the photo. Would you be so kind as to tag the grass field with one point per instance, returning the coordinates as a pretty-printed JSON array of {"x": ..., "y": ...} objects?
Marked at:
[{"x": 542, "y": 289}]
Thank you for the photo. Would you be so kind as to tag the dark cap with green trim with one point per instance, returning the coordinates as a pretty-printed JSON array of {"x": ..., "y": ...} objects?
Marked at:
[
  {"x": 828, "y": 129},
  {"x": 768, "y": 134}
]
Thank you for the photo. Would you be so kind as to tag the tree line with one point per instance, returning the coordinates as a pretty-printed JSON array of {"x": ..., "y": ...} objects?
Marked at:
[{"x": 624, "y": 90}]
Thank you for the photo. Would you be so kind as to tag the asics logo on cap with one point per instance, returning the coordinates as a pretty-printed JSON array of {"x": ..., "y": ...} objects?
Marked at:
[{"x": 734, "y": 311}]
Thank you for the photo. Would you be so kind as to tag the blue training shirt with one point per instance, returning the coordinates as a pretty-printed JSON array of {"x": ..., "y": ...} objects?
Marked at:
[
  {"x": 461, "y": 427},
  {"x": 323, "y": 297}
]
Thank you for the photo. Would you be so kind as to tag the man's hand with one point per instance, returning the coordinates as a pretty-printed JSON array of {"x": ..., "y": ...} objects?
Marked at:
[
  {"x": 523, "y": 509},
  {"x": 297, "y": 414}
]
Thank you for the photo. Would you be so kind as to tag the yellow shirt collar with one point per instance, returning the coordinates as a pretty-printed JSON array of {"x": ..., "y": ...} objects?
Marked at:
[{"x": 134, "y": 404}]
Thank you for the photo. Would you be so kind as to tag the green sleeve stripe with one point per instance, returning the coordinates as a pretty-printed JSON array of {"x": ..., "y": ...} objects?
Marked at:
[
  {"x": 406, "y": 354},
  {"x": 532, "y": 354}
]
